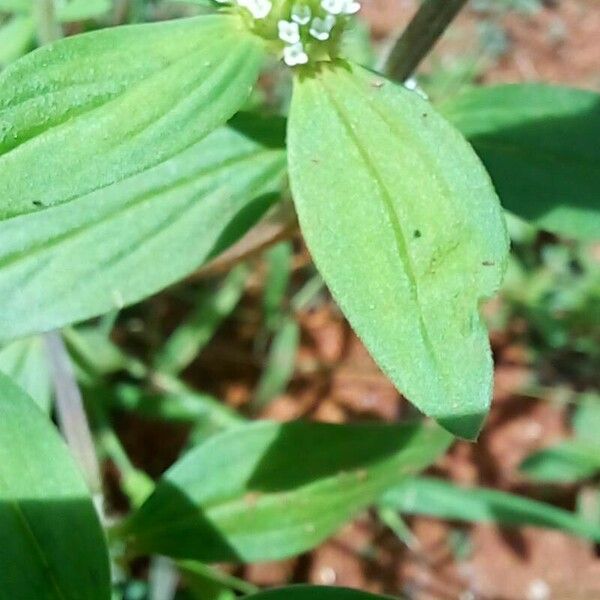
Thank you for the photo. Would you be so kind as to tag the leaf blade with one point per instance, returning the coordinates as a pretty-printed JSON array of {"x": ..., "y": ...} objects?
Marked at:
[
  {"x": 441, "y": 499},
  {"x": 51, "y": 534},
  {"x": 243, "y": 495},
  {"x": 539, "y": 143},
  {"x": 408, "y": 277}
]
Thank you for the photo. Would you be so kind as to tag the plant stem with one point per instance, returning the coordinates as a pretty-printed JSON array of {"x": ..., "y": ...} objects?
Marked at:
[
  {"x": 70, "y": 412},
  {"x": 421, "y": 35},
  {"x": 48, "y": 28}
]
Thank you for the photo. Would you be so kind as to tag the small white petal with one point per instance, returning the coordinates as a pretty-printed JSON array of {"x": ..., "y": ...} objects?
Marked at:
[
  {"x": 301, "y": 13},
  {"x": 321, "y": 28},
  {"x": 258, "y": 8},
  {"x": 289, "y": 32},
  {"x": 333, "y": 7},
  {"x": 295, "y": 55},
  {"x": 351, "y": 7}
]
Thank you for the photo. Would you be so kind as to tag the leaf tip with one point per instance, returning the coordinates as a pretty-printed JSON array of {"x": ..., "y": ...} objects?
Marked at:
[{"x": 464, "y": 426}]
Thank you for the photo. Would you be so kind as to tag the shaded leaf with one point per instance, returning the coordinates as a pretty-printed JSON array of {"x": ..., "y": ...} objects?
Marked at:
[
  {"x": 26, "y": 363},
  {"x": 586, "y": 420},
  {"x": 403, "y": 224},
  {"x": 52, "y": 546},
  {"x": 315, "y": 592},
  {"x": 124, "y": 242},
  {"x": 211, "y": 309},
  {"x": 79, "y": 10},
  {"x": 279, "y": 364},
  {"x": 437, "y": 498},
  {"x": 106, "y": 194},
  {"x": 245, "y": 496},
  {"x": 540, "y": 145},
  {"x": 569, "y": 461},
  {"x": 16, "y": 37}
]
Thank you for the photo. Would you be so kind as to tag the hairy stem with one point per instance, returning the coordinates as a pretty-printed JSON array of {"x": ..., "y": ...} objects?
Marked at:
[
  {"x": 70, "y": 412},
  {"x": 48, "y": 28},
  {"x": 421, "y": 35}
]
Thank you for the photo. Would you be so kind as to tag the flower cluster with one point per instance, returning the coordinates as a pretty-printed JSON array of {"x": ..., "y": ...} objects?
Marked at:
[{"x": 306, "y": 28}]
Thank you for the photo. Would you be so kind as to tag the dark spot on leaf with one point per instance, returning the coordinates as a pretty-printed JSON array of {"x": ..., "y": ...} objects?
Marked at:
[
  {"x": 38, "y": 203},
  {"x": 417, "y": 234},
  {"x": 425, "y": 115},
  {"x": 315, "y": 160},
  {"x": 488, "y": 263}
]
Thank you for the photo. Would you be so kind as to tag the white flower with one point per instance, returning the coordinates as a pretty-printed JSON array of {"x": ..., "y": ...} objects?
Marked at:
[
  {"x": 351, "y": 7},
  {"x": 320, "y": 29},
  {"x": 333, "y": 7},
  {"x": 301, "y": 13},
  {"x": 289, "y": 32},
  {"x": 295, "y": 55},
  {"x": 259, "y": 8}
]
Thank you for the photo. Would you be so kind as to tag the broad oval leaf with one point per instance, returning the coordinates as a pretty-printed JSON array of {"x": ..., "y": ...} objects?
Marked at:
[
  {"x": 52, "y": 546},
  {"x": 314, "y": 592},
  {"x": 117, "y": 245},
  {"x": 403, "y": 223},
  {"x": 266, "y": 491},
  {"x": 540, "y": 145},
  {"x": 89, "y": 111}
]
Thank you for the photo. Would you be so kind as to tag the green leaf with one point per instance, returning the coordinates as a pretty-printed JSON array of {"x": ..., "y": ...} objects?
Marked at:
[
  {"x": 80, "y": 10},
  {"x": 88, "y": 111},
  {"x": 569, "y": 461},
  {"x": 106, "y": 193},
  {"x": 245, "y": 496},
  {"x": 403, "y": 224},
  {"x": 314, "y": 592},
  {"x": 179, "y": 404},
  {"x": 16, "y": 37},
  {"x": 26, "y": 363},
  {"x": 212, "y": 308},
  {"x": 52, "y": 546},
  {"x": 540, "y": 145},
  {"x": 586, "y": 420},
  {"x": 279, "y": 364},
  {"x": 437, "y": 498},
  {"x": 15, "y": 6},
  {"x": 117, "y": 245}
]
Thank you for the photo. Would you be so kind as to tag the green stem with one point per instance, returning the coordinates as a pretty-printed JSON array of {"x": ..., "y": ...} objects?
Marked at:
[
  {"x": 48, "y": 28},
  {"x": 421, "y": 35},
  {"x": 70, "y": 412}
]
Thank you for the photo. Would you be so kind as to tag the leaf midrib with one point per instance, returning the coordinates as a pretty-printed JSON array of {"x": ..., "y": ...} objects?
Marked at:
[{"x": 400, "y": 240}]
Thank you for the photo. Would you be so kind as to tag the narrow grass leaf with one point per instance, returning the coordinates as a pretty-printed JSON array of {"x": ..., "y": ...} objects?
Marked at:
[
  {"x": 437, "y": 498},
  {"x": 569, "y": 461},
  {"x": 211, "y": 309}
]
